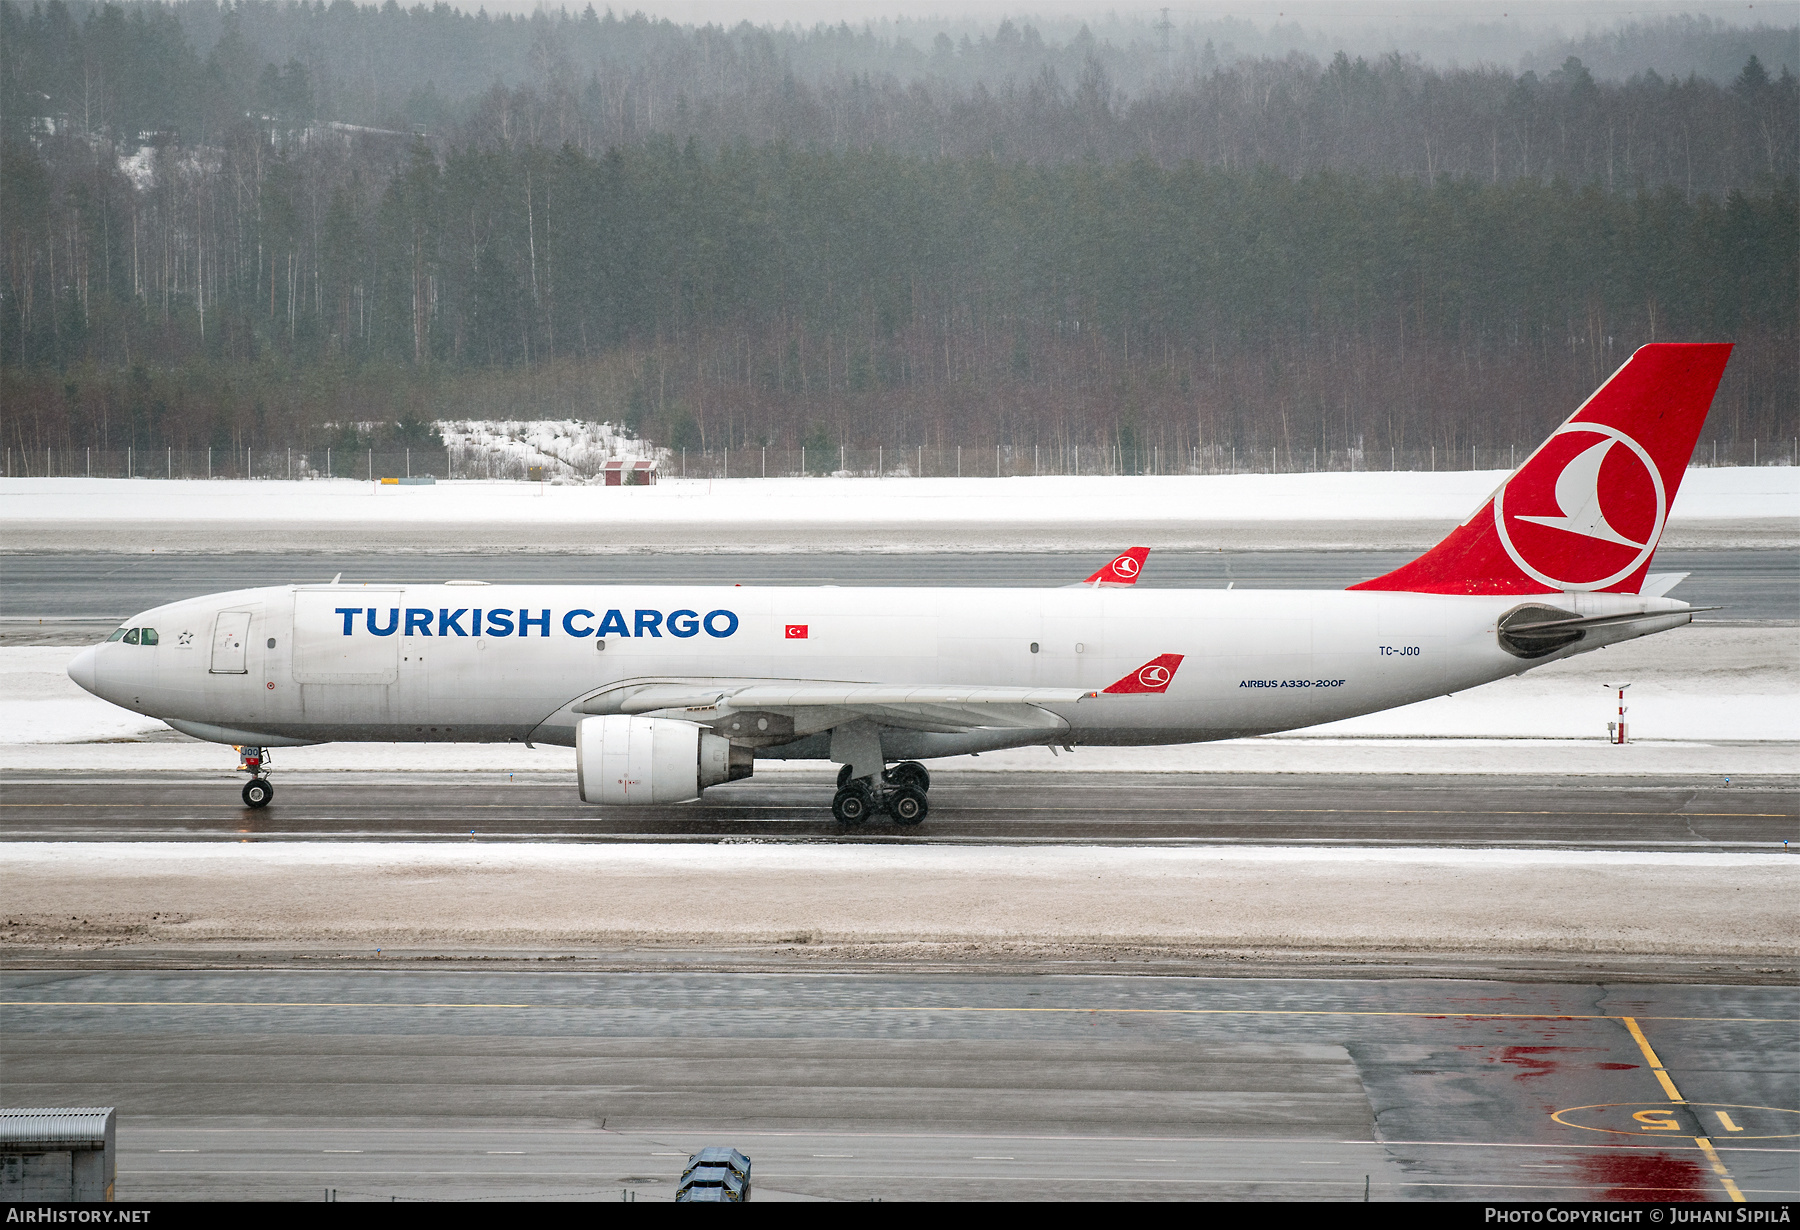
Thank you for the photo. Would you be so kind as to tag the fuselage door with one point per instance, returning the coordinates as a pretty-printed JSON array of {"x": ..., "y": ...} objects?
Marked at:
[{"x": 230, "y": 631}]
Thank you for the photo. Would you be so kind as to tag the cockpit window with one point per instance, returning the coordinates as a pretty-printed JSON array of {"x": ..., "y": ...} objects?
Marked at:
[
  {"x": 118, "y": 635},
  {"x": 147, "y": 636},
  {"x": 131, "y": 637}
]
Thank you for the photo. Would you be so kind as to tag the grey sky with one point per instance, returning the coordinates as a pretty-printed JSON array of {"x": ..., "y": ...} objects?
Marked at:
[{"x": 1570, "y": 16}]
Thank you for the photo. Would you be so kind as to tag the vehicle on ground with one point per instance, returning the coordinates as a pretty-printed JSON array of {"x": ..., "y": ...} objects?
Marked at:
[
  {"x": 665, "y": 691},
  {"x": 715, "y": 1176}
]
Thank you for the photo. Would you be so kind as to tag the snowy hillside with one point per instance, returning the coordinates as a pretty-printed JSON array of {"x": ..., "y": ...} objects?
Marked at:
[{"x": 569, "y": 451}]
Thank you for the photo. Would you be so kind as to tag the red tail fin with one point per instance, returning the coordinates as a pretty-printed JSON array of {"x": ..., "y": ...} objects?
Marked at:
[
  {"x": 1124, "y": 570},
  {"x": 1586, "y": 509}
]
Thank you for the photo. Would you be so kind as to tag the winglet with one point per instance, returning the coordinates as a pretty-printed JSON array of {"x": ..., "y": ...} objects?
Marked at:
[
  {"x": 1153, "y": 676},
  {"x": 1124, "y": 569}
]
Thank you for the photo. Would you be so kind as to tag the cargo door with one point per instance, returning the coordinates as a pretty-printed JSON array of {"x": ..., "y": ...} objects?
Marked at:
[{"x": 230, "y": 632}]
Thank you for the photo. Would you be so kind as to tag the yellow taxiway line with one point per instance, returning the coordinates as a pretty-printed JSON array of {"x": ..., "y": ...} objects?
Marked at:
[{"x": 1702, "y": 1143}]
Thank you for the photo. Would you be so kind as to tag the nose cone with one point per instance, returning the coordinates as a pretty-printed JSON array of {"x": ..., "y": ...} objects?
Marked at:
[{"x": 81, "y": 670}]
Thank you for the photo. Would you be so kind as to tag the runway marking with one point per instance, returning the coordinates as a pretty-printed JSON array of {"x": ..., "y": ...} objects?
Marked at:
[
  {"x": 1700, "y": 1142},
  {"x": 848, "y": 1008},
  {"x": 1661, "y": 1117}
]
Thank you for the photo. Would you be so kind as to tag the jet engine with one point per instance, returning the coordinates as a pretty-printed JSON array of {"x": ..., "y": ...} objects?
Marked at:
[{"x": 621, "y": 759}]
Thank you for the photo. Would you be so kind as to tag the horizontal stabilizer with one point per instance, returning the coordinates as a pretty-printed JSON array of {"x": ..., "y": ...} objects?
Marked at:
[{"x": 1535, "y": 631}]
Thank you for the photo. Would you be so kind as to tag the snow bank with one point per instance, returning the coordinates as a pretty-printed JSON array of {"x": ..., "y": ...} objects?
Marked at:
[
  {"x": 1706, "y": 494},
  {"x": 390, "y": 895}
]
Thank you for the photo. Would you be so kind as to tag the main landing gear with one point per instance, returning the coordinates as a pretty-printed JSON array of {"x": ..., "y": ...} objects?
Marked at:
[
  {"x": 901, "y": 792},
  {"x": 259, "y": 790}
]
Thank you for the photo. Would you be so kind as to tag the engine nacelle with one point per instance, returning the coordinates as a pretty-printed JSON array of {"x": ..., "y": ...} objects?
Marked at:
[{"x": 621, "y": 759}]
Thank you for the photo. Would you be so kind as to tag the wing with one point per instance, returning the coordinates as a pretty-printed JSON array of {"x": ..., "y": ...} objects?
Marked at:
[
  {"x": 771, "y": 711},
  {"x": 765, "y": 712}
]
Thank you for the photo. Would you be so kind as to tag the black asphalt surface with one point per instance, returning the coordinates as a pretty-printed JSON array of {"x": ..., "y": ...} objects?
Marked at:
[
  {"x": 385, "y": 1084},
  {"x": 966, "y": 808},
  {"x": 1749, "y": 584}
]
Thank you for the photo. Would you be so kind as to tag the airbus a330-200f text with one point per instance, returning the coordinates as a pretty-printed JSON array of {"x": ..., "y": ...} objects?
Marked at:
[{"x": 667, "y": 690}]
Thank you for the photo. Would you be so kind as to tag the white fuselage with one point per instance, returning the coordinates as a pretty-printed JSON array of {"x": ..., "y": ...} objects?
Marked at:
[{"x": 315, "y": 664}]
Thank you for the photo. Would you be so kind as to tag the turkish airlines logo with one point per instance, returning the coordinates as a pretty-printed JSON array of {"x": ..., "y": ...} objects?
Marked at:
[
  {"x": 1125, "y": 566},
  {"x": 1583, "y": 513},
  {"x": 796, "y": 632},
  {"x": 1154, "y": 675}
]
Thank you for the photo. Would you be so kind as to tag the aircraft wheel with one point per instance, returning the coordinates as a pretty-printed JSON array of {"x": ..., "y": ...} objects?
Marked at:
[
  {"x": 908, "y": 773},
  {"x": 907, "y": 805},
  {"x": 852, "y": 805},
  {"x": 258, "y": 792}
]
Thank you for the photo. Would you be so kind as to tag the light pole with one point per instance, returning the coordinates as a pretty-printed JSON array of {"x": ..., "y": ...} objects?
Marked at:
[{"x": 1616, "y": 730}]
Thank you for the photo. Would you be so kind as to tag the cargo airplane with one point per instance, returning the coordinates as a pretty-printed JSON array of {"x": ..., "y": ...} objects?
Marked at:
[{"x": 666, "y": 690}]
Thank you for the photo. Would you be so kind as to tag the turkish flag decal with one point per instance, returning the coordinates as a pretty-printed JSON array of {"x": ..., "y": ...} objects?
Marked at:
[{"x": 796, "y": 632}]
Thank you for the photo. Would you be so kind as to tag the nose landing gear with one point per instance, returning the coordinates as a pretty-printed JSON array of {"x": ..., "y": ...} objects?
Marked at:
[
  {"x": 900, "y": 791},
  {"x": 259, "y": 790}
]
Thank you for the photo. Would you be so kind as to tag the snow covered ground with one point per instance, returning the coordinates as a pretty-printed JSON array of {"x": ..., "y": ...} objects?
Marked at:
[
  {"x": 392, "y": 895},
  {"x": 1707, "y": 698},
  {"x": 1706, "y": 494}
]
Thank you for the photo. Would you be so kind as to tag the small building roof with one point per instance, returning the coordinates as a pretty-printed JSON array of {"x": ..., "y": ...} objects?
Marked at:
[{"x": 44, "y": 1128}]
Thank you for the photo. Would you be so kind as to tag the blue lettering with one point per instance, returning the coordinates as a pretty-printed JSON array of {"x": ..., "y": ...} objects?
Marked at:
[
  {"x": 449, "y": 620},
  {"x": 612, "y": 625},
  {"x": 500, "y": 622},
  {"x": 731, "y": 624},
  {"x": 526, "y": 621},
  {"x": 569, "y": 624},
  {"x": 684, "y": 623},
  {"x": 393, "y": 624},
  {"x": 350, "y": 613},
  {"x": 649, "y": 623},
  {"x": 418, "y": 621},
  {"x": 475, "y": 622}
]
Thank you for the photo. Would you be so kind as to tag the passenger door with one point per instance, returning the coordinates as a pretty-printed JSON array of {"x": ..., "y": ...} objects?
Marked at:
[{"x": 230, "y": 632}]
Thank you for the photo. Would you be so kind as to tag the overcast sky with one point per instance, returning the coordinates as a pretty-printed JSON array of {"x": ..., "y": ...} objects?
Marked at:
[{"x": 1570, "y": 15}]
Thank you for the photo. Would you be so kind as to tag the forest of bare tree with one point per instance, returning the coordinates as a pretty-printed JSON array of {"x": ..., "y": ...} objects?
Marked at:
[{"x": 681, "y": 230}]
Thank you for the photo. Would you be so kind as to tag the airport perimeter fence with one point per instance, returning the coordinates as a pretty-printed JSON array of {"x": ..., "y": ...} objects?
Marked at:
[{"x": 754, "y": 461}]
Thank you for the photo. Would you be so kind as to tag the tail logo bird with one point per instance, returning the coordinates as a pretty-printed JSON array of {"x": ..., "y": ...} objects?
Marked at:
[
  {"x": 1600, "y": 493},
  {"x": 1155, "y": 675}
]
